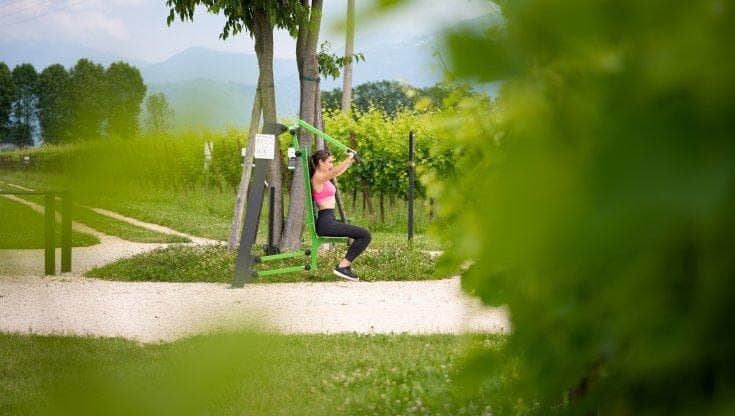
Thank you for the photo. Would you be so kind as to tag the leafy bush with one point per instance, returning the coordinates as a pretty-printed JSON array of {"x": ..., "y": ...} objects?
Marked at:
[
  {"x": 601, "y": 208},
  {"x": 382, "y": 141},
  {"x": 158, "y": 162}
]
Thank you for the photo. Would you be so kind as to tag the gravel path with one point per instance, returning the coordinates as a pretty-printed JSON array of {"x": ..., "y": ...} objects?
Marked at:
[
  {"x": 71, "y": 304},
  {"x": 154, "y": 312}
]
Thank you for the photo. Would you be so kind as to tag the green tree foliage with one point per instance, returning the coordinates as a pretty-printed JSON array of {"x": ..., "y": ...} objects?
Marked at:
[
  {"x": 126, "y": 91},
  {"x": 7, "y": 96},
  {"x": 597, "y": 203},
  {"x": 330, "y": 64},
  {"x": 24, "y": 77},
  {"x": 436, "y": 95},
  {"x": 160, "y": 115},
  {"x": 21, "y": 134},
  {"x": 88, "y": 99},
  {"x": 85, "y": 102},
  {"x": 52, "y": 90},
  {"x": 332, "y": 99},
  {"x": 390, "y": 97}
]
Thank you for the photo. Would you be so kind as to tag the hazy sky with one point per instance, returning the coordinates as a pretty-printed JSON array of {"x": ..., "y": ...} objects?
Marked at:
[{"x": 137, "y": 28}]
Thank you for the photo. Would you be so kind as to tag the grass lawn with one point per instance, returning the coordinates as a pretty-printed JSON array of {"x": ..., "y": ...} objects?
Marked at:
[
  {"x": 122, "y": 229},
  {"x": 23, "y": 228},
  {"x": 208, "y": 213},
  {"x": 390, "y": 261},
  {"x": 240, "y": 373},
  {"x": 204, "y": 214},
  {"x": 111, "y": 226}
]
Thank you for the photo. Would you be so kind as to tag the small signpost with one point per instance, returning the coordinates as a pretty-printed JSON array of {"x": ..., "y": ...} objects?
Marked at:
[
  {"x": 26, "y": 164},
  {"x": 208, "y": 146},
  {"x": 265, "y": 146}
]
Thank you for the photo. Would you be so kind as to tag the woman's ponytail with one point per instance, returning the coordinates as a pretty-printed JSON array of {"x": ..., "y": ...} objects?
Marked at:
[
  {"x": 314, "y": 160},
  {"x": 312, "y": 165}
]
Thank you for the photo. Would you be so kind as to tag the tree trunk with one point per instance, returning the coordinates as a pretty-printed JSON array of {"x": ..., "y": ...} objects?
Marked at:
[
  {"x": 367, "y": 200},
  {"x": 286, "y": 177},
  {"x": 308, "y": 65},
  {"x": 382, "y": 208},
  {"x": 263, "y": 34},
  {"x": 318, "y": 120},
  {"x": 347, "y": 70},
  {"x": 319, "y": 123},
  {"x": 242, "y": 189}
]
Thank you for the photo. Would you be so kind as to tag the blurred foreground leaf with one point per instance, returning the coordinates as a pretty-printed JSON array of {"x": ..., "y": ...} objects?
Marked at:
[{"x": 596, "y": 200}]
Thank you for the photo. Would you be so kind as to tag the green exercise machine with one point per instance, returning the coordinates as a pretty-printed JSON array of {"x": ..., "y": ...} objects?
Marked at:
[{"x": 265, "y": 149}]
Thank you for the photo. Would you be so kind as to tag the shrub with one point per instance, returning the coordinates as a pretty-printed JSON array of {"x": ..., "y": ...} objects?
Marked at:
[{"x": 602, "y": 211}]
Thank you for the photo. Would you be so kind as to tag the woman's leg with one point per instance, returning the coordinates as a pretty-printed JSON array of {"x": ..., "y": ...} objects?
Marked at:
[
  {"x": 361, "y": 238},
  {"x": 327, "y": 226}
]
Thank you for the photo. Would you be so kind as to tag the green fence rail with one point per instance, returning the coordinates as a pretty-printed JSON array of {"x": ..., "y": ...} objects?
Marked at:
[{"x": 50, "y": 227}]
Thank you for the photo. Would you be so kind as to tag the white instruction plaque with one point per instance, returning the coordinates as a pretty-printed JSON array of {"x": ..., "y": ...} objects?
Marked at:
[{"x": 265, "y": 146}]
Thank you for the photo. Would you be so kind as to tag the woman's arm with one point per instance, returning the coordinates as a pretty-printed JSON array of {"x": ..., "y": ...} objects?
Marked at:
[{"x": 339, "y": 169}]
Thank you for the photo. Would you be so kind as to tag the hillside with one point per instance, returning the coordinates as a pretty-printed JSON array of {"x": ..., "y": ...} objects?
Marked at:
[
  {"x": 206, "y": 103},
  {"x": 197, "y": 62}
]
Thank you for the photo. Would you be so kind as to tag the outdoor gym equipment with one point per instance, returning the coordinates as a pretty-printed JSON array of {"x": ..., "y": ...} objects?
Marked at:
[{"x": 265, "y": 149}]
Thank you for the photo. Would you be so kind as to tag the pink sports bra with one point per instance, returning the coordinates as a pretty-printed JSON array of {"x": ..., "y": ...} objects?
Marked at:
[{"x": 328, "y": 191}]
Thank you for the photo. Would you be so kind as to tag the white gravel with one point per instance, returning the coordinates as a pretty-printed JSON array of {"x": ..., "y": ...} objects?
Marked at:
[
  {"x": 155, "y": 312},
  {"x": 71, "y": 304}
]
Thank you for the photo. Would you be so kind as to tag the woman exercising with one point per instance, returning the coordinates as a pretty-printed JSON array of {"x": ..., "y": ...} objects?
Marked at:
[{"x": 322, "y": 172}]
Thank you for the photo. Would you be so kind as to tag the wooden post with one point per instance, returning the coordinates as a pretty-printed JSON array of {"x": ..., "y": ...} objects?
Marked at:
[
  {"x": 66, "y": 208},
  {"x": 50, "y": 233},
  {"x": 411, "y": 173}
]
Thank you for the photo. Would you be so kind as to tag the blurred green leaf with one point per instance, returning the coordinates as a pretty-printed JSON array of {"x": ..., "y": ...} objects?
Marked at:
[{"x": 596, "y": 200}]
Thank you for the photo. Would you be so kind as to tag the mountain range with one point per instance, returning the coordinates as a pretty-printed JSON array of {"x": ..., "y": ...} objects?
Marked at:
[{"x": 214, "y": 89}]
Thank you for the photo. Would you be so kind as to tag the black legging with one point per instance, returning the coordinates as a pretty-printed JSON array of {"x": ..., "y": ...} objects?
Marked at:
[{"x": 327, "y": 226}]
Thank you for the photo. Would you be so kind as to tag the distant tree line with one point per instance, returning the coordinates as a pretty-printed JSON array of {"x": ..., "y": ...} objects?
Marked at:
[
  {"x": 85, "y": 102},
  {"x": 388, "y": 96},
  {"x": 160, "y": 115}
]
